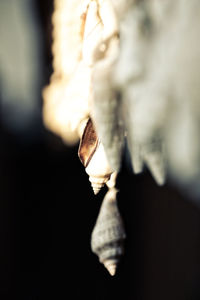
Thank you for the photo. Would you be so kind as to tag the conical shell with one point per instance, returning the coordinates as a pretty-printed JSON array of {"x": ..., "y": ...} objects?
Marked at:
[
  {"x": 154, "y": 158},
  {"x": 106, "y": 105},
  {"x": 93, "y": 157},
  {"x": 97, "y": 183},
  {"x": 108, "y": 234},
  {"x": 106, "y": 109},
  {"x": 98, "y": 169}
]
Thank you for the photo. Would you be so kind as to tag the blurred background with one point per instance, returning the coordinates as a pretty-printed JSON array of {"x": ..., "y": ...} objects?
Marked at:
[{"x": 47, "y": 207}]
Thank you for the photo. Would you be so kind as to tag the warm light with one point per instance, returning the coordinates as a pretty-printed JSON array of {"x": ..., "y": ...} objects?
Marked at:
[
  {"x": 67, "y": 97},
  {"x": 78, "y": 29}
]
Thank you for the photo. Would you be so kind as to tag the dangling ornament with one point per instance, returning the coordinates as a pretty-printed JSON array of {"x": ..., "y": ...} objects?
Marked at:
[
  {"x": 92, "y": 156},
  {"x": 108, "y": 235}
]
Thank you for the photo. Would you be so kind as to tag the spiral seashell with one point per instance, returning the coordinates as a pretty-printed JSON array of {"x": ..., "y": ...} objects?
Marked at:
[
  {"x": 106, "y": 106},
  {"x": 92, "y": 156},
  {"x": 98, "y": 183},
  {"x": 108, "y": 234},
  {"x": 98, "y": 169}
]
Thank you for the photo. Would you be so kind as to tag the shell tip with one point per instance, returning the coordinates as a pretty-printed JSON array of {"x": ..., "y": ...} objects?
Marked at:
[
  {"x": 96, "y": 190},
  {"x": 111, "y": 268}
]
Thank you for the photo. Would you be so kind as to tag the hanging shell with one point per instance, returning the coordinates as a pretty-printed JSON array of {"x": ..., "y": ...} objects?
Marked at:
[
  {"x": 106, "y": 105},
  {"x": 108, "y": 234},
  {"x": 67, "y": 97},
  {"x": 92, "y": 156}
]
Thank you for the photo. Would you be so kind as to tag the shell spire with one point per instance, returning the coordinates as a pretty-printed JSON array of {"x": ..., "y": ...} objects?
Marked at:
[
  {"x": 108, "y": 234},
  {"x": 111, "y": 266},
  {"x": 92, "y": 155}
]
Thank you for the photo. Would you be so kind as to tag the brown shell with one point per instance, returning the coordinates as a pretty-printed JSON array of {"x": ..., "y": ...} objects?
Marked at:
[{"x": 88, "y": 143}]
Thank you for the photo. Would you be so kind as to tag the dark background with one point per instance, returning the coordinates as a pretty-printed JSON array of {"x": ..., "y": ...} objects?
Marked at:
[{"x": 48, "y": 210}]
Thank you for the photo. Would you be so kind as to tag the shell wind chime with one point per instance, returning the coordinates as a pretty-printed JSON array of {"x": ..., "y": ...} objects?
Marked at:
[
  {"x": 125, "y": 71},
  {"x": 114, "y": 80},
  {"x": 108, "y": 234},
  {"x": 67, "y": 110}
]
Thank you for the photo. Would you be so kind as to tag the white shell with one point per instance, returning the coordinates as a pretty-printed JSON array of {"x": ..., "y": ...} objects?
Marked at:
[
  {"x": 98, "y": 169},
  {"x": 92, "y": 33},
  {"x": 67, "y": 96},
  {"x": 155, "y": 67},
  {"x": 111, "y": 266},
  {"x": 106, "y": 107}
]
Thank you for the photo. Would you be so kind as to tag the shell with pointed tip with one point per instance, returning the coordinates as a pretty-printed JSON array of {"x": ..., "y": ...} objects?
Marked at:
[
  {"x": 98, "y": 169},
  {"x": 93, "y": 157},
  {"x": 108, "y": 234},
  {"x": 106, "y": 106}
]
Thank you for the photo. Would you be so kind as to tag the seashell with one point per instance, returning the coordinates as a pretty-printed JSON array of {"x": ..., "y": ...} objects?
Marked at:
[
  {"x": 66, "y": 47},
  {"x": 106, "y": 106},
  {"x": 109, "y": 18},
  {"x": 93, "y": 157},
  {"x": 92, "y": 33},
  {"x": 66, "y": 99},
  {"x": 107, "y": 240},
  {"x": 154, "y": 158},
  {"x": 143, "y": 151},
  {"x": 65, "y": 105},
  {"x": 98, "y": 169}
]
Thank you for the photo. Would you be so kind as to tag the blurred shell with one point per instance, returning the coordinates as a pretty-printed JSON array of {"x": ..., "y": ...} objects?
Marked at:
[
  {"x": 92, "y": 33},
  {"x": 154, "y": 158},
  {"x": 129, "y": 73},
  {"x": 92, "y": 156},
  {"x": 108, "y": 234},
  {"x": 67, "y": 103},
  {"x": 149, "y": 152},
  {"x": 67, "y": 96},
  {"x": 106, "y": 106}
]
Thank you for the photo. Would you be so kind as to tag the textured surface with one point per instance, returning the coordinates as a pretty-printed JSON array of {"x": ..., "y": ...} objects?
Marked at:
[
  {"x": 108, "y": 234},
  {"x": 131, "y": 67}
]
